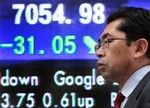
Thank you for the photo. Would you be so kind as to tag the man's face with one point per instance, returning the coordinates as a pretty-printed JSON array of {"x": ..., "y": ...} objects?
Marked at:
[{"x": 116, "y": 59}]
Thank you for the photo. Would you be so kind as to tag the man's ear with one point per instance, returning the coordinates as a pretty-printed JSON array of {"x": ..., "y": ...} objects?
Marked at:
[{"x": 141, "y": 46}]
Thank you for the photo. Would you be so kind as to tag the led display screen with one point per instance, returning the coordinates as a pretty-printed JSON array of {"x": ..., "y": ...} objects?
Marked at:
[{"x": 47, "y": 57}]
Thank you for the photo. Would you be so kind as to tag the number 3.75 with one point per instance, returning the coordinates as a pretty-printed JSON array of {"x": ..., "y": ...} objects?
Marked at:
[{"x": 30, "y": 100}]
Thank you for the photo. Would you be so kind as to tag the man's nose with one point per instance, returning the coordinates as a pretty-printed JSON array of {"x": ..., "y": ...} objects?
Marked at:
[{"x": 100, "y": 53}]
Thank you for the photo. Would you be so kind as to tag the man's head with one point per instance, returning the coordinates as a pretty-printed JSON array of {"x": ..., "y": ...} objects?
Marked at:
[
  {"x": 135, "y": 23},
  {"x": 123, "y": 46}
]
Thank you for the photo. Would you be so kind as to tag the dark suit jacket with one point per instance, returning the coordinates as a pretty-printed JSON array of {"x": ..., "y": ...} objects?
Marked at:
[{"x": 140, "y": 97}]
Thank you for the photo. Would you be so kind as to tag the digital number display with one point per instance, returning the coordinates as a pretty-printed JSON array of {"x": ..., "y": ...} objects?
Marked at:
[
  {"x": 53, "y": 30},
  {"x": 50, "y": 85},
  {"x": 50, "y": 30},
  {"x": 41, "y": 13},
  {"x": 47, "y": 57}
]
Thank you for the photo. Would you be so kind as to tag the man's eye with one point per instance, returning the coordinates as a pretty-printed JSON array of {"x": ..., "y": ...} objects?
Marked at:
[{"x": 105, "y": 41}]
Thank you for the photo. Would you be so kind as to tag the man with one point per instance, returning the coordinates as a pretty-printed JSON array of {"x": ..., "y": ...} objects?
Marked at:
[{"x": 124, "y": 55}]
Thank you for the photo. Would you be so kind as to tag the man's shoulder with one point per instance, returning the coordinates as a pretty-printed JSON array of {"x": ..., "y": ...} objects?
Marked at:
[{"x": 140, "y": 97}]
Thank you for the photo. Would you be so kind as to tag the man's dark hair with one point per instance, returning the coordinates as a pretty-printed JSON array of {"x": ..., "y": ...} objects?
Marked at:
[{"x": 135, "y": 24}]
